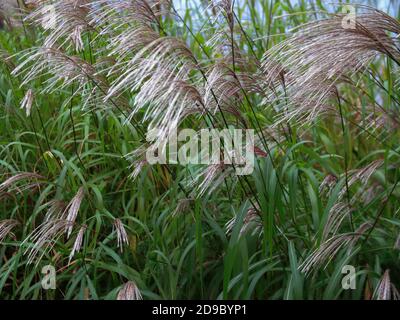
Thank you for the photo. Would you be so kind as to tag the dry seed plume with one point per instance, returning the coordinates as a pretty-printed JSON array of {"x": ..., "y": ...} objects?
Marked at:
[
  {"x": 183, "y": 206},
  {"x": 10, "y": 183},
  {"x": 56, "y": 210},
  {"x": 63, "y": 70},
  {"x": 328, "y": 184},
  {"x": 59, "y": 219},
  {"x": 72, "y": 210},
  {"x": 322, "y": 54},
  {"x": 118, "y": 15},
  {"x": 122, "y": 236},
  {"x": 222, "y": 88},
  {"x": 331, "y": 247},
  {"x": 157, "y": 68},
  {"x": 63, "y": 20},
  {"x": 209, "y": 178},
  {"x": 78, "y": 242},
  {"x": 252, "y": 223},
  {"x": 6, "y": 227},
  {"x": 362, "y": 175},
  {"x": 336, "y": 216},
  {"x": 44, "y": 237},
  {"x": 383, "y": 291},
  {"x": 27, "y": 102},
  {"x": 159, "y": 73},
  {"x": 129, "y": 291},
  {"x": 325, "y": 253}
]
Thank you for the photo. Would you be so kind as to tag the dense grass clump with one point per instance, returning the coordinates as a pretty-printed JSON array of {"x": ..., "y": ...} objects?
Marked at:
[{"x": 83, "y": 81}]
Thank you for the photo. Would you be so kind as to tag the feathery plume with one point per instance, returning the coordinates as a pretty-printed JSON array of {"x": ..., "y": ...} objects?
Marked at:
[
  {"x": 159, "y": 73},
  {"x": 122, "y": 236},
  {"x": 365, "y": 173},
  {"x": 62, "y": 70},
  {"x": 209, "y": 178},
  {"x": 325, "y": 253},
  {"x": 320, "y": 56},
  {"x": 183, "y": 206},
  {"x": 252, "y": 223},
  {"x": 6, "y": 226},
  {"x": 27, "y": 102},
  {"x": 138, "y": 159},
  {"x": 72, "y": 209},
  {"x": 76, "y": 38},
  {"x": 138, "y": 168},
  {"x": 56, "y": 210},
  {"x": 377, "y": 118},
  {"x": 78, "y": 242},
  {"x": 330, "y": 247},
  {"x": 222, "y": 88},
  {"x": 64, "y": 20},
  {"x": 361, "y": 175},
  {"x": 328, "y": 183},
  {"x": 29, "y": 176},
  {"x": 335, "y": 218},
  {"x": 59, "y": 219},
  {"x": 114, "y": 15},
  {"x": 359, "y": 232},
  {"x": 44, "y": 237},
  {"x": 383, "y": 290},
  {"x": 129, "y": 291},
  {"x": 371, "y": 193}
]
